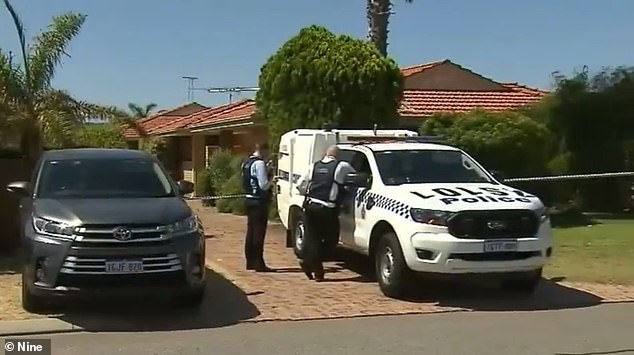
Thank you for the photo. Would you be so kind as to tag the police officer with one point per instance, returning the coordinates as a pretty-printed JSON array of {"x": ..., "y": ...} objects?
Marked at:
[
  {"x": 257, "y": 187},
  {"x": 322, "y": 185}
]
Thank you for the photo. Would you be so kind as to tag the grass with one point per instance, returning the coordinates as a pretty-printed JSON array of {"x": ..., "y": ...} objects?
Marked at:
[{"x": 599, "y": 253}]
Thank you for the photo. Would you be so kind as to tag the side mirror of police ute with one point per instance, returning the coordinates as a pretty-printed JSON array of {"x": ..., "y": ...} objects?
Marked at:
[
  {"x": 185, "y": 187},
  {"x": 356, "y": 180}
]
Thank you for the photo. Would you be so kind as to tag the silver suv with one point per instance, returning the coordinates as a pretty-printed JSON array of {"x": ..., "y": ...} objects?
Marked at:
[{"x": 108, "y": 221}]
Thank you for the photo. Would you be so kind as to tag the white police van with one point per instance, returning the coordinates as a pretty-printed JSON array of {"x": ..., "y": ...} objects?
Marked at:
[{"x": 417, "y": 206}]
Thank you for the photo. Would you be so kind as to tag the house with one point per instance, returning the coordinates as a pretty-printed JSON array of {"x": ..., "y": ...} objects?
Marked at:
[{"x": 194, "y": 131}]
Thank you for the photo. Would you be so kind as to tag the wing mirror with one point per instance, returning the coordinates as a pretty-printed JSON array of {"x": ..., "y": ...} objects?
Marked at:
[
  {"x": 21, "y": 188},
  {"x": 185, "y": 187},
  {"x": 356, "y": 180}
]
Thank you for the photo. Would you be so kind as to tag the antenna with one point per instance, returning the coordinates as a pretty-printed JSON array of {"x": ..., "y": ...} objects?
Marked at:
[
  {"x": 232, "y": 90},
  {"x": 190, "y": 87}
]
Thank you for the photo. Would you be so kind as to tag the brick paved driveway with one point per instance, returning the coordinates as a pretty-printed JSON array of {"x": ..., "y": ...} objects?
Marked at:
[{"x": 288, "y": 295}]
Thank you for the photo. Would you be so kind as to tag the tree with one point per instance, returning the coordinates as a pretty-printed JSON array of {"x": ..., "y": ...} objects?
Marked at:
[
  {"x": 101, "y": 135},
  {"x": 594, "y": 118},
  {"x": 507, "y": 141},
  {"x": 378, "y": 14},
  {"x": 39, "y": 113},
  {"x": 141, "y": 111},
  {"x": 317, "y": 77}
]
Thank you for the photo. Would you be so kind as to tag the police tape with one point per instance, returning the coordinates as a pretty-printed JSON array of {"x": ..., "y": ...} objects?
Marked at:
[
  {"x": 572, "y": 177},
  {"x": 520, "y": 179},
  {"x": 218, "y": 197}
]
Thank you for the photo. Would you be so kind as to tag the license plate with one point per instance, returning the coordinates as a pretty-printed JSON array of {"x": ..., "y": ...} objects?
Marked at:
[
  {"x": 497, "y": 246},
  {"x": 124, "y": 267}
]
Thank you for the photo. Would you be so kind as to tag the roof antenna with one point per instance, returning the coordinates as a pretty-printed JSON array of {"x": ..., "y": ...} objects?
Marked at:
[{"x": 375, "y": 128}]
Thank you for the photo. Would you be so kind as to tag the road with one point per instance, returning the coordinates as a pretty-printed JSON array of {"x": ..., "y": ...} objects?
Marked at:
[{"x": 605, "y": 329}]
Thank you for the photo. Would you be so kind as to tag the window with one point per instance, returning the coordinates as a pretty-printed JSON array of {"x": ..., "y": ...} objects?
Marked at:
[
  {"x": 101, "y": 178},
  {"x": 428, "y": 166}
]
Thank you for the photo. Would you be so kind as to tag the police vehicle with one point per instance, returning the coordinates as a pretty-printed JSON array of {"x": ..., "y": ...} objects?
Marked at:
[{"x": 417, "y": 206}]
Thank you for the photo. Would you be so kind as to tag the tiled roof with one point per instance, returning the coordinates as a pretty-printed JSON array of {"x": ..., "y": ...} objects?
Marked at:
[
  {"x": 160, "y": 118},
  {"x": 207, "y": 116},
  {"x": 415, "y": 69},
  {"x": 423, "y": 103},
  {"x": 241, "y": 110}
]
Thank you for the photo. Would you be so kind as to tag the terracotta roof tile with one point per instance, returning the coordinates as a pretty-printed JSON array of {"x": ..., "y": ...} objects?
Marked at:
[
  {"x": 242, "y": 110},
  {"x": 415, "y": 69},
  {"x": 423, "y": 103},
  {"x": 199, "y": 117},
  {"x": 160, "y": 118}
]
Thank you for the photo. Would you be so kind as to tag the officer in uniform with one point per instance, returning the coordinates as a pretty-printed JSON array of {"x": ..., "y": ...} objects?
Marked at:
[
  {"x": 322, "y": 186},
  {"x": 257, "y": 187}
]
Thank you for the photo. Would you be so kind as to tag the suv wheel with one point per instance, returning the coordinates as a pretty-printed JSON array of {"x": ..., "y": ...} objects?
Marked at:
[
  {"x": 191, "y": 298},
  {"x": 30, "y": 302},
  {"x": 298, "y": 232},
  {"x": 392, "y": 272},
  {"x": 525, "y": 284}
]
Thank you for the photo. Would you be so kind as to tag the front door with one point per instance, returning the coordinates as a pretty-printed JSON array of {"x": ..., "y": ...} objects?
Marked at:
[{"x": 352, "y": 209}]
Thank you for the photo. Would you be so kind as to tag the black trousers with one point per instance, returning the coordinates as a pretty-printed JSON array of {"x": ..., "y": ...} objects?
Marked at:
[
  {"x": 318, "y": 222},
  {"x": 257, "y": 221}
]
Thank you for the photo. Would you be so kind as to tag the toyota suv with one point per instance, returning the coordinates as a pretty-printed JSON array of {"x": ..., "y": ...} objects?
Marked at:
[{"x": 107, "y": 221}]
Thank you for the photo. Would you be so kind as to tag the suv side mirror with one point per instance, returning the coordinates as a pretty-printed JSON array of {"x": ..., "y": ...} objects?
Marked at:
[
  {"x": 498, "y": 175},
  {"x": 356, "y": 180},
  {"x": 185, "y": 187},
  {"x": 21, "y": 188}
]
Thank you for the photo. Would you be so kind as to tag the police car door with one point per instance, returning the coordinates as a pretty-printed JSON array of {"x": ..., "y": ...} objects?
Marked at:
[
  {"x": 353, "y": 211},
  {"x": 346, "y": 215}
]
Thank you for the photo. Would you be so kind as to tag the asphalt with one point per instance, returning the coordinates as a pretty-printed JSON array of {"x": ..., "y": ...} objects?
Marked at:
[{"x": 606, "y": 329}]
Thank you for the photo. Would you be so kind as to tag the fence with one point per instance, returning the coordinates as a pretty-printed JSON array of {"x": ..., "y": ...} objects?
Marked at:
[{"x": 10, "y": 170}]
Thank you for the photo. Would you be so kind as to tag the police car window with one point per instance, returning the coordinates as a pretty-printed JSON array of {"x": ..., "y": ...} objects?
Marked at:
[
  {"x": 97, "y": 178},
  {"x": 360, "y": 163},
  {"x": 428, "y": 166},
  {"x": 346, "y": 155}
]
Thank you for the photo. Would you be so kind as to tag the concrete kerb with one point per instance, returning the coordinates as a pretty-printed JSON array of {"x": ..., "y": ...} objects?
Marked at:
[{"x": 36, "y": 326}]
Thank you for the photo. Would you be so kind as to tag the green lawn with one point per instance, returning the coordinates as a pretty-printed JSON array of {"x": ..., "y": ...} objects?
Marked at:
[{"x": 602, "y": 253}]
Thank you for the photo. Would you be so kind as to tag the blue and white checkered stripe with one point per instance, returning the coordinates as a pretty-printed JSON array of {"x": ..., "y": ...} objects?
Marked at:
[{"x": 382, "y": 202}]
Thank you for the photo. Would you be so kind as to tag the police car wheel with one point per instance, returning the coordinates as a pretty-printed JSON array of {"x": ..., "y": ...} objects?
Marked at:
[
  {"x": 298, "y": 235},
  {"x": 391, "y": 269}
]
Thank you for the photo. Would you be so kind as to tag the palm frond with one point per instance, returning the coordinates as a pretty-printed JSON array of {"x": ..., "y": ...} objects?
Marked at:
[
  {"x": 21, "y": 37},
  {"x": 50, "y": 46}
]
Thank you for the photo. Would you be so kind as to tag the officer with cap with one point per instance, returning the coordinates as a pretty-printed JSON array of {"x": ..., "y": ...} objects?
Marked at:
[
  {"x": 257, "y": 187},
  {"x": 322, "y": 186}
]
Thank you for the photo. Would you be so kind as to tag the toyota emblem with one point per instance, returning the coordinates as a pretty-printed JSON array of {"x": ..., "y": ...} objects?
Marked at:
[
  {"x": 122, "y": 234},
  {"x": 496, "y": 225}
]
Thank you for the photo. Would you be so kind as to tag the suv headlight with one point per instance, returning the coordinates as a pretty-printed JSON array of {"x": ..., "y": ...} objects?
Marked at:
[
  {"x": 184, "y": 226},
  {"x": 542, "y": 214},
  {"x": 437, "y": 218},
  {"x": 53, "y": 228}
]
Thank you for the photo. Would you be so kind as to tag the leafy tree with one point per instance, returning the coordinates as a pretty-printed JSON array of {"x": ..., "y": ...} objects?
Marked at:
[
  {"x": 317, "y": 77},
  {"x": 39, "y": 113},
  {"x": 378, "y": 13},
  {"x": 101, "y": 135},
  {"x": 594, "y": 118},
  {"x": 141, "y": 111},
  {"x": 507, "y": 141}
]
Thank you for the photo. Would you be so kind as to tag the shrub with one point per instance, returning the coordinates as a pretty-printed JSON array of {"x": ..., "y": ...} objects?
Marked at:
[
  {"x": 220, "y": 169},
  {"x": 232, "y": 186},
  {"x": 203, "y": 186}
]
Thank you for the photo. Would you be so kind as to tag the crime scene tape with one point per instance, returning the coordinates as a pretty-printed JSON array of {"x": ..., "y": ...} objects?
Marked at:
[
  {"x": 218, "y": 197},
  {"x": 572, "y": 177}
]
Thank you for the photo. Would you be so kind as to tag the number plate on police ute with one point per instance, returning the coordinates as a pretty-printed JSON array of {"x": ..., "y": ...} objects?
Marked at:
[
  {"x": 124, "y": 267},
  {"x": 497, "y": 246}
]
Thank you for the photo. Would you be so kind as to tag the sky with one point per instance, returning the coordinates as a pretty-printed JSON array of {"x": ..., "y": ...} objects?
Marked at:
[{"x": 138, "y": 50}]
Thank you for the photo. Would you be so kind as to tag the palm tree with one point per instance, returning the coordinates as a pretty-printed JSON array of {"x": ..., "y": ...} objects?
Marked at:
[
  {"x": 31, "y": 107},
  {"x": 141, "y": 111},
  {"x": 378, "y": 13}
]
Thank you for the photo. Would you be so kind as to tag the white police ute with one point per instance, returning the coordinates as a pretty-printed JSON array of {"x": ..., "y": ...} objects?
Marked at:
[{"x": 416, "y": 205}]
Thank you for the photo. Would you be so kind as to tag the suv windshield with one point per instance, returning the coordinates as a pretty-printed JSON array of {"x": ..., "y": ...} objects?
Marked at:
[
  {"x": 97, "y": 178},
  {"x": 428, "y": 166}
]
